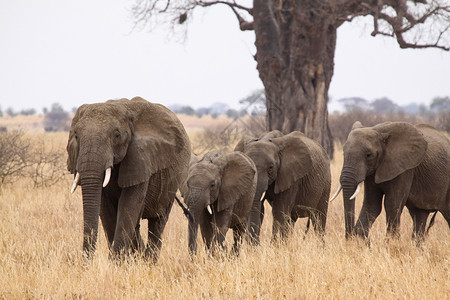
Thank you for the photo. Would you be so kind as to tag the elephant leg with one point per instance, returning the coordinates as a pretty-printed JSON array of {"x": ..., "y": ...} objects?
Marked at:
[
  {"x": 371, "y": 209},
  {"x": 137, "y": 242},
  {"x": 319, "y": 219},
  {"x": 238, "y": 233},
  {"x": 221, "y": 221},
  {"x": 128, "y": 215},
  {"x": 208, "y": 232},
  {"x": 108, "y": 215},
  {"x": 282, "y": 221},
  {"x": 108, "y": 207},
  {"x": 256, "y": 217},
  {"x": 156, "y": 227},
  {"x": 419, "y": 217},
  {"x": 396, "y": 194}
]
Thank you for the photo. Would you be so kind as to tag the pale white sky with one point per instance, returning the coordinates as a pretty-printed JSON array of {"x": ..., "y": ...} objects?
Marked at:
[{"x": 75, "y": 52}]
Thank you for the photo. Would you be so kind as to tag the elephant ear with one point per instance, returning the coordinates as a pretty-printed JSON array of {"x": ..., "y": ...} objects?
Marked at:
[
  {"x": 357, "y": 125},
  {"x": 184, "y": 188},
  {"x": 405, "y": 148},
  {"x": 238, "y": 176},
  {"x": 241, "y": 144},
  {"x": 72, "y": 144},
  {"x": 159, "y": 142},
  {"x": 295, "y": 160},
  {"x": 272, "y": 134}
]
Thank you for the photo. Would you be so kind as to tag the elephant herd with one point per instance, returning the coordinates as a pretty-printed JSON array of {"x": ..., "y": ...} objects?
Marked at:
[{"x": 130, "y": 158}]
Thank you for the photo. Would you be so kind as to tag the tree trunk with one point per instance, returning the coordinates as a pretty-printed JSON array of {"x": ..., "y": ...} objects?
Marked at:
[{"x": 295, "y": 58}]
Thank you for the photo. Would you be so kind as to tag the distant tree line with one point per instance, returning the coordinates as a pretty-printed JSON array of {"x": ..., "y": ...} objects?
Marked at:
[
  {"x": 55, "y": 118},
  {"x": 369, "y": 113},
  {"x": 381, "y": 110}
]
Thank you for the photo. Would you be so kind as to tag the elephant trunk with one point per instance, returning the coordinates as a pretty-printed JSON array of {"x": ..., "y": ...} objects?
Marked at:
[
  {"x": 91, "y": 191},
  {"x": 197, "y": 203},
  {"x": 349, "y": 184},
  {"x": 92, "y": 163},
  {"x": 257, "y": 210},
  {"x": 192, "y": 236}
]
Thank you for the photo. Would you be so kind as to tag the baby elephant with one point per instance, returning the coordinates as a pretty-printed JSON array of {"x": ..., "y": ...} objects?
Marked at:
[{"x": 219, "y": 193}]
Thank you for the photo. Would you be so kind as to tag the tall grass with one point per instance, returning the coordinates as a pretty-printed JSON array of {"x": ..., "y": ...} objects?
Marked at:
[{"x": 41, "y": 257}]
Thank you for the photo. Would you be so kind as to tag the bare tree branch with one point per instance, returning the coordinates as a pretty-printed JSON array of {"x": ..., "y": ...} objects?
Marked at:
[
  {"x": 230, "y": 4},
  {"x": 402, "y": 18},
  {"x": 243, "y": 24},
  {"x": 177, "y": 12}
]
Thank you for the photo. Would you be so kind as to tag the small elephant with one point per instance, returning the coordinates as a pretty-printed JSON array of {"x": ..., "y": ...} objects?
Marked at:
[
  {"x": 409, "y": 165},
  {"x": 129, "y": 156},
  {"x": 293, "y": 175},
  {"x": 219, "y": 194}
]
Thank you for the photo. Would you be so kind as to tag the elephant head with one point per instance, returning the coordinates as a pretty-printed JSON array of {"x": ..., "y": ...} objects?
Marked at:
[
  {"x": 135, "y": 138},
  {"x": 215, "y": 184},
  {"x": 280, "y": 161},
  {"x": 382, "y": 152}
]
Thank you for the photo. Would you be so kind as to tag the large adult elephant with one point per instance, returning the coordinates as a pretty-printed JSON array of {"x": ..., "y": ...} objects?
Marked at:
[
  {"x": 293, "y": 175},
  {"x": 129, "y": 156},
  {"x": 219, "y": 194},
  {"x": 409, "y": 165}
]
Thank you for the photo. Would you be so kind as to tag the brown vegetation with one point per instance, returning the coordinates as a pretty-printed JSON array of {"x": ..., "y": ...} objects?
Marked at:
[
  {"x": 341, "y": 123},
  {"x": 41, "y": 256}
]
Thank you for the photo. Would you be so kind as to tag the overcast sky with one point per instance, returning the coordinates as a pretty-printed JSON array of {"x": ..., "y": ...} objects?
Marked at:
[{"x": 75, "y": 52}]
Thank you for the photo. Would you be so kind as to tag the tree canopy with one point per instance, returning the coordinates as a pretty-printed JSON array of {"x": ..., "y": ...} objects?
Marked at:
[{"x": 295, "y": 45}]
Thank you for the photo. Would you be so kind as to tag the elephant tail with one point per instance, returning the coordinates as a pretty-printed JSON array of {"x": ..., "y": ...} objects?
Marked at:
[
  {"x": 307, "y": 227},
  {"x": 186, "y": 211},
  {"x": 431, "y": 222}
]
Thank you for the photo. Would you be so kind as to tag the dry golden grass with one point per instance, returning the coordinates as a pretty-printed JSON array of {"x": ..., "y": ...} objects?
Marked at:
[
  {"x": 41, "y": 257},
  {"x": 32, "y": 123}
]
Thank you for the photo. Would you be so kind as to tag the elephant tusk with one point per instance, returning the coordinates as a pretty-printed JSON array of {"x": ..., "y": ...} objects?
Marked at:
[
  {"x": 358, "y": 188},
  {"x": 262, "y": 197},
  {"x": 336, "y": 194},
  {"x": 107, "y": 177},
  {"x": 75, "y": 183},
  {"x": 209, "y": 209}
]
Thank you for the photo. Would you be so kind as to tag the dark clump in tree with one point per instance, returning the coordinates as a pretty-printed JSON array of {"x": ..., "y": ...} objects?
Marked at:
[{"x": 296, "y": 41}]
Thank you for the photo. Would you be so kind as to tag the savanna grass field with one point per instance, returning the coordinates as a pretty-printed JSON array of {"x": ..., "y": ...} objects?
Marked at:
[{"x": 41, "y": 253}]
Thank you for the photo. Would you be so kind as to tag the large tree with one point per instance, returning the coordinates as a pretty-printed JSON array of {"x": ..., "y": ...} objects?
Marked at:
[{"x": 296, "y": 40}]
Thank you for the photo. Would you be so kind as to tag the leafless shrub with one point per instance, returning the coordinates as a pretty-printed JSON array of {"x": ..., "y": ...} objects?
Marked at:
[
  {"x": 216, "y": 137},
  {"x": 341, "y": 123},
  {"x": 440, "y": 120},
  {"x": 14, "y": 154},
  {"x": 47, "y": 164},
  {"x": 254, "y": 125}
]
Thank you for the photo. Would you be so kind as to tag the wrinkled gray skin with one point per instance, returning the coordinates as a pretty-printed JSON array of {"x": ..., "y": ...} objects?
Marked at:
[
  {"x": 148, "y": 150},
  {"x": 294, "y": 171},
  {"x": 226, "y": 182},
  {"x": 409, "y": 165}
]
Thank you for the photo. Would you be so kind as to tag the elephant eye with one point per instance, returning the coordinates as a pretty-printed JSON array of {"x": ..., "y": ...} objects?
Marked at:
[
  {"x": 213, "y": 184},
  {"x": 117, "y": 134},
  {"x": 369, "y": 155}
]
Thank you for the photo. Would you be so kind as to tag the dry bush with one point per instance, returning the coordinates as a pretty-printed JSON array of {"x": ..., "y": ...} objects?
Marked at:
[
  {"x": 14, "y": 155},
  {"x": 341, "y": 123},
  {"x": 38, "y": 157},
  {"x": 47, "y": 162},
  {"x": 222, "y": 135},
  {"x": 227, "y": 134},
  {"x": 254, "y": 125},
  {"x": 41, "y": 257}
]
